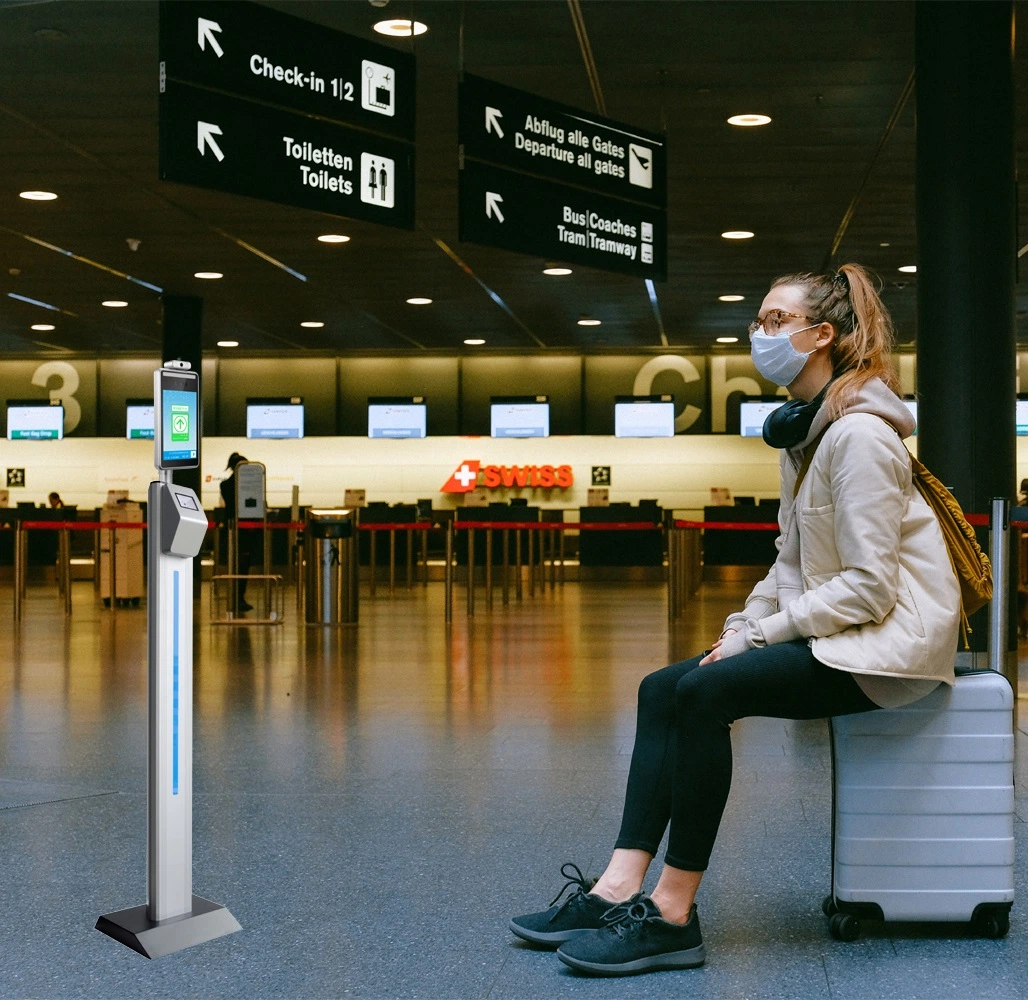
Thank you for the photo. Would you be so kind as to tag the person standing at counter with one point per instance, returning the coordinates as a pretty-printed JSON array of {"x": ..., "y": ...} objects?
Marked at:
[{"x": 860, "y": 611}]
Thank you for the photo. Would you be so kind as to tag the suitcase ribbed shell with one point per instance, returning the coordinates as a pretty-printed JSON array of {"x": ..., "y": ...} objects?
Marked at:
[{"x": 924, "y": 803}]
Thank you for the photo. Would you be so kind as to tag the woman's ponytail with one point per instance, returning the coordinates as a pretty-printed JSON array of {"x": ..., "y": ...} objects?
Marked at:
[{"x": 864, "y": 336}]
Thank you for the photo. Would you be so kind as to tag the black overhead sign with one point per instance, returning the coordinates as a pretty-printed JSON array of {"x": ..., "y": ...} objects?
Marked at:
[
  {"x": 501, "y": 208},
  {"x": 214, "y": 141},
  {"x": 559, "y": 183},
  {"x": 261, "y": 103},
  {"x": 512, "y": 128}
]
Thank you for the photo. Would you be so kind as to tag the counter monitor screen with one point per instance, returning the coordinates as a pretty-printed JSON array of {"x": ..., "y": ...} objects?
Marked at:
[
  {"x": 274, "y": 417},
  {"x": 34, "y": 420},
  {"x": 752, "y": 415},
  {"x": 911, "y": 404},
  {"x": 644, "y": 416},
  {"x": 396, "y": 416},
  {"x": 1022, "y": 417},
  {"x": 139, "y": 419},
  {"x": 519, "y": 416},
  {"x": 178, "y": 414}
]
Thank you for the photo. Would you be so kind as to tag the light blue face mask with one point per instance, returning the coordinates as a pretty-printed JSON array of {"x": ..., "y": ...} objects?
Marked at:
[{"x": 775, "y": 357}]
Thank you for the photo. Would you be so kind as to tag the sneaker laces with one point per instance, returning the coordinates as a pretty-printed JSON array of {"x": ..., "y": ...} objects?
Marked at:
[
  {"x": 628, "y": 918},
  {"x": 577, "y": 879}
]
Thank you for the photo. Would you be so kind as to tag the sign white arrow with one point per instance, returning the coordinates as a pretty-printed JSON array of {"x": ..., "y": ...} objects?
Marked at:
[
  {"x": 492, "y": 121},
  {"x": 492, "y": 205},
  {"x": 205, "y": 33},
  {"x": 205, "y": 133}
]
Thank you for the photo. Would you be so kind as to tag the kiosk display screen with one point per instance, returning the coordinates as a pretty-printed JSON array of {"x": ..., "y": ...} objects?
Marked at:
[
  {"x": 753, "y": 414},
  {"x": 644, "y": 416},
  {"x": 399, "y": 417},
  {"x": 519, "y": 416},
  {"x": 274, "y": 418},
  {"x": 178, "y": 415},
  {"x": 139, "y": 419},
  {"x": 34, "y": 420}
]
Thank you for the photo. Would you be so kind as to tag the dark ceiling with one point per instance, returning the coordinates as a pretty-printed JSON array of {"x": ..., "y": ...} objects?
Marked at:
[{"x": 78, "y": 116}]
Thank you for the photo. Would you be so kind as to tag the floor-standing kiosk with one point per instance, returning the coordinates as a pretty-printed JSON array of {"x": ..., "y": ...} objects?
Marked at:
[{"x": 172, "y": 917}]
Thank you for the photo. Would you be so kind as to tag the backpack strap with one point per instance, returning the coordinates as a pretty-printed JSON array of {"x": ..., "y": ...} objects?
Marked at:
[{"x": 808, "y": 457}]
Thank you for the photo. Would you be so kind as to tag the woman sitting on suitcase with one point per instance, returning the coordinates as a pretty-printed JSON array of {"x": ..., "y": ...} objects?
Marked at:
[{"x": 859, "y": 611}]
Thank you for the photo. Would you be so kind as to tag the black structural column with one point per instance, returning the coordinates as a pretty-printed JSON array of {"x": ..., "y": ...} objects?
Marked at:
[
  {"x": 183, "y": 326},
  {"x": 966, "y": 250}
]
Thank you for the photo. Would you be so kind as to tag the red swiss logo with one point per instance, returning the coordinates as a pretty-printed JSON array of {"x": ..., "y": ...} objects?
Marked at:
[{"x": 495, "y": 477}]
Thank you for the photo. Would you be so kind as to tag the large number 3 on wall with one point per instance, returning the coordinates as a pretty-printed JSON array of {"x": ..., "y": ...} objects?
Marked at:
[{"x": 65, "y": 391}]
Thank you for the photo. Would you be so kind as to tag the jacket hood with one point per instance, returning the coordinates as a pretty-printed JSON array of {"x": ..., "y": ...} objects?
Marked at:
[{"x": 874, "y": 396}]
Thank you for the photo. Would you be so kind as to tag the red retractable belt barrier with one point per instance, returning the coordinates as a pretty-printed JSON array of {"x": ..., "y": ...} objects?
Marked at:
[{"x": 561, "y": 525}]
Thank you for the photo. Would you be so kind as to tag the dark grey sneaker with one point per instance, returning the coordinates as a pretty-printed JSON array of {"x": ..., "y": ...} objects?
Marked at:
[
  {"x": 579, "y": 913},
  {"x": 635, "y": 938}
]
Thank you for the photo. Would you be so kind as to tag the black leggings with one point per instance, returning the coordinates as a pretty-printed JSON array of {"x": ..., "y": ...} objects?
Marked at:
[{"x": 682, "y": 762}]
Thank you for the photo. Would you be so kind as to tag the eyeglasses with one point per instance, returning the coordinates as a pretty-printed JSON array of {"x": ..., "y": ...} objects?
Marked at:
[{"x": 772, "y": 321}]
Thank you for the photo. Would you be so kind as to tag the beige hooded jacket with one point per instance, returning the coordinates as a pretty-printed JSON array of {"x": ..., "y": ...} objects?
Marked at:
[{"x": 862, "y": 568}]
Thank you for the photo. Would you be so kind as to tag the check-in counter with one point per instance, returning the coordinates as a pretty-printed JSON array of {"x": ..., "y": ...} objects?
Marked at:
[
  {"x": 739, "y": 555},
  {"x": 384, "y": 513},
  {"x": 621, "y": 548},
  {"x": 504, "y": 512}
]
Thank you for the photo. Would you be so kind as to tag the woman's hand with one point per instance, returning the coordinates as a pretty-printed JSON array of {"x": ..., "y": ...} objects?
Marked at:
[{"x": 715, "y": 651}]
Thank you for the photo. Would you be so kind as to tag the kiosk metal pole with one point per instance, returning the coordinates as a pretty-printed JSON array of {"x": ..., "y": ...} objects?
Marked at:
[{"x": 172, "y": 917}]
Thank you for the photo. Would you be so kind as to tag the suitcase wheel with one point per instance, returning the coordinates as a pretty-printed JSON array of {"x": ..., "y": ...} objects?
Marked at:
[
  {"x": 994, "y": 925},
  {"x": 828, "y": 907},
  {"x": 844, "y": 927}
]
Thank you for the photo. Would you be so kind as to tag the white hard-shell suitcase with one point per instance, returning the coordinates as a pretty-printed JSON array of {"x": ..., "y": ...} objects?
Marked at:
[{"x": 923, "y": 810}]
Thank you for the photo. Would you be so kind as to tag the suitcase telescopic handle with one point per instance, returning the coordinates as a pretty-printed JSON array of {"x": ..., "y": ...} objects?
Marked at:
[{"x": 999, "y": 553}]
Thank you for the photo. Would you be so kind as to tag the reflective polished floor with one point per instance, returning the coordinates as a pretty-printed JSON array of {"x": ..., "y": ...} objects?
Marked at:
[{"x": 373, "y": 804}]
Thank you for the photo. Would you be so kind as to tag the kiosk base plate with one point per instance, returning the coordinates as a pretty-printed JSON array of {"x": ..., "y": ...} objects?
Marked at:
[{"x": 152, "y": 939}]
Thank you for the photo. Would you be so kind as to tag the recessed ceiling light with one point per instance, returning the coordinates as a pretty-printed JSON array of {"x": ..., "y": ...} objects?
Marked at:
[
  {"x": 208, "y": 275},
  {"x": 228, "y": 343},
  {"x": 885, "y": 244},
  {"x": 333, "y": 238},
  {"x": 43, "y": 326},
  {"x": 418, "y": 301},
  {"x": 400, "y": 27},
  {"x": 730, "y": 298},
  {"x": 728, "y": 340},
  {"x": 749, "y": 121},
  {"x": 37, "y": 195},
  {"x": 556, "y": 271},
  {"x": 312, "y": 324},
  {"x": 588, "y": 321},
  {"x": 114, "y": 303},
  {"x": 737, "y": 234},
  {"x": 474, "y": 342},
  {"x": 909, "y": 269}
]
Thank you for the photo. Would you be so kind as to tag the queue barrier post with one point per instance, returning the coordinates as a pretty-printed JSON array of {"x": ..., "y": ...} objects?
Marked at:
[
  {"x": 19, "y": 569},
  {"x": 517, "y": 565},
  {"x": 448, "y": 572},
  {"x": 64, "y": 567},
  {"x": 392, "y": 561},
  {"x": 471, "y": 572},
  {"x": 489, "y": 568},
  {"x": 372, "y": 562},
  {"x": 410, "y": 562},
  {"x": 506, "y": 566}
]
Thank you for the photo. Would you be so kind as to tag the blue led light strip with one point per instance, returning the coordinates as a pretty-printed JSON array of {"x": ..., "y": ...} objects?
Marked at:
[{"x": 174, "y": 689}]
